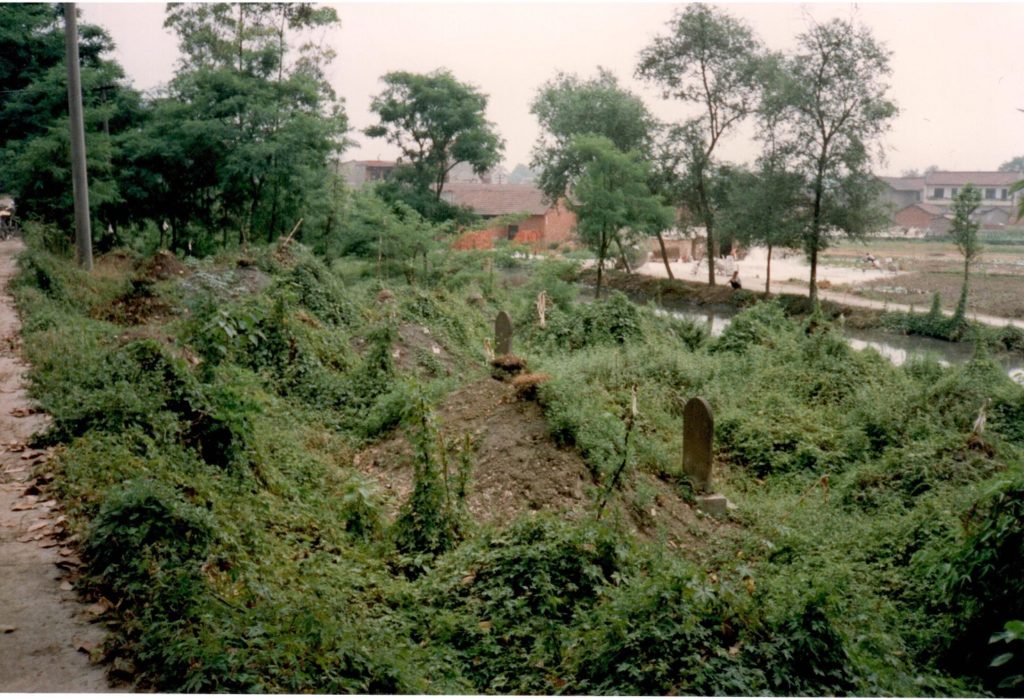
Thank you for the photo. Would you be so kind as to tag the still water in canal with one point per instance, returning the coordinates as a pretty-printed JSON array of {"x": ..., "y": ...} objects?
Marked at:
[{"x": 896, "y": 348}]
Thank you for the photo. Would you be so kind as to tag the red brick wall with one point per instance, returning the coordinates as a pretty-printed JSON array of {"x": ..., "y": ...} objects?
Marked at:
[
  {"x": 559, "y": 224},
  {"x": 474, "y": 240},
  {"x": 555, "y": 226},
  {"x": 913, "y": 217}
]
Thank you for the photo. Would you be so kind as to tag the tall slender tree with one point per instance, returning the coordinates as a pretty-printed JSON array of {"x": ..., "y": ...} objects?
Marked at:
[
  {"x": 567, "y": 107},
  {"x": 838, "y": 107},
  {"x": 708, "y": 59},
  {"x": 964, "y": 231},
  {"x": 256, "y": 118}
]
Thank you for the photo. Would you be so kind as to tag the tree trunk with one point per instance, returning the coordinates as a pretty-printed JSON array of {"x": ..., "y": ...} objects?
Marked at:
[
  {"x": 814, "y": 274},
  {"x": 768, "y": 272},
  {"x": 664, "y": 256},
  {"x": 622, "y": 255},
  {"x": 602, "y": 249},
  {"x": 709, "y": 226}
]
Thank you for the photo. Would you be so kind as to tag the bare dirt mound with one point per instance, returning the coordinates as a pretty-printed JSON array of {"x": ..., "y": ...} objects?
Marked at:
[
  {"x": 518, "y": 468},
  {"x": 162, "y": 266},
  {"x": 45, "y": 633},
  {"x": 516, "y": 465}
]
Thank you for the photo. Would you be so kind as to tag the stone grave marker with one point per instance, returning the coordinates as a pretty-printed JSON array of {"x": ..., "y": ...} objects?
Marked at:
[
  {"x": 502, "y": 334},
  {"x": 698, "y": 432}
]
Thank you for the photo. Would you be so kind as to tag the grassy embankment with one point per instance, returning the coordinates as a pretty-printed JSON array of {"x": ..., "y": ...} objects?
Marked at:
[{"x": 210, "y": 423}]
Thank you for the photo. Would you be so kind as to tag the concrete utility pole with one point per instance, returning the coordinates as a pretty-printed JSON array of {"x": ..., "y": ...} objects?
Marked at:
[{"x": 83, "y": 229}]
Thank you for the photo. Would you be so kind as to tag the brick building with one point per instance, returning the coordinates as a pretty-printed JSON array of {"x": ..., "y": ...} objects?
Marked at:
[
  {"x": 535, "y": 222},
  {"x": 925, "y": 203}
]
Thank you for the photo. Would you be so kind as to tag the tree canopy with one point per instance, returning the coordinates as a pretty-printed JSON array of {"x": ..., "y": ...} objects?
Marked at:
[
  {"x": 611, "y": 197},
  {"x": 436, "y": 122},
  {"x": 836, "y": 102},
  {"x": 568, "y": 106},
  {"x": 711, "y": 60},
  {"x": 34, "y": 135}
]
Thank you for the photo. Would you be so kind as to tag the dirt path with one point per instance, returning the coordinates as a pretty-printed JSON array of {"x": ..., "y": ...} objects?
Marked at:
[{"x": 43, "y": 625}]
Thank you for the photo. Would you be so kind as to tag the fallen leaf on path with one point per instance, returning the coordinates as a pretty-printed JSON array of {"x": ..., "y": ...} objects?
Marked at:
[
  {"x": 48, "y": 544},
  {"x": 21, "y": 412},
  {"x": 69, "y": 563},
  {"x": 67, "y": 552},
  {"x": 37, "y": 526},
  {"x": 48, "y": 503},
  {"x": 101, "y": 607},
  {"x": 22, "y": 506},
  {"x": 26, "y": 539},
  {"x": 85, "y": 646},
  {"x": 8, "y": 629},
  {"x": 66, "y": 586}
]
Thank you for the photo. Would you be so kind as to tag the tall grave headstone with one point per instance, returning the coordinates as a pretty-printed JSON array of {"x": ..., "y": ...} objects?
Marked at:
[
  {"x": 698, "y": 432},
  {"x": 502, "y": 334}
]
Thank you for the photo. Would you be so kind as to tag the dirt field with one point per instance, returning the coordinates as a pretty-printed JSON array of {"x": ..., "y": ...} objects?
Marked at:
[{"x": 996, "y": 279}]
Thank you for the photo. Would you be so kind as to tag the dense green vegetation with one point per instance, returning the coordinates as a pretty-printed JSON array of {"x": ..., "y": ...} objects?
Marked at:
[
  {"x": 208, "y": 469},
  {"x": 211, "y": 423}
]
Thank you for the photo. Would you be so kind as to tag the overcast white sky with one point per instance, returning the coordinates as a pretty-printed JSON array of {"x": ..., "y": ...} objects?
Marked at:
[{"x": 957, "y": 68}]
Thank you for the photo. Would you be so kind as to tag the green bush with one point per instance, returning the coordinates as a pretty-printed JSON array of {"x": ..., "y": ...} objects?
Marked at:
[
  {"x": 143, "y": 527},
  {"x": 507, "y": 603},
  {"x": 982, "y": 583}
]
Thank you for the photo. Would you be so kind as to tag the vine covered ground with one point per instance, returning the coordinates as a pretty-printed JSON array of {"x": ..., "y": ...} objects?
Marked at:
[{"x": 294, "y": 476}]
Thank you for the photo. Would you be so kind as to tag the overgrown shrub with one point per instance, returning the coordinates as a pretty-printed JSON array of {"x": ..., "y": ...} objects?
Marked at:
[
  {"x": 983, "y": 583},
  {"x": 144, "y": 527},
  {"x": 508, "y": 603}
]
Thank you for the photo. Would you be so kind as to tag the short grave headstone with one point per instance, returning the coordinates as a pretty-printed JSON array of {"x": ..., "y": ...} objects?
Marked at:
[
  {"x": 698, "y": 433},
  {"x": 502, "y": 334}
]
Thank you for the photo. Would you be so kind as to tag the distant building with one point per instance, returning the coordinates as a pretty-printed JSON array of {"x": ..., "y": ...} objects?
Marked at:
[
  {"x": 463, "y": 173},
  {"x": 539, "y": 223},
  {"x": 902, "y": 191},
  {"x": 359, "y": 172},
  {"x": 925, "y": 203}
]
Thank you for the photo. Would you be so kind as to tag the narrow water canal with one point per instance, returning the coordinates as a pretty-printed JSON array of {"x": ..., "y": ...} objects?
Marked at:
[{"x": 896, "y": 348}]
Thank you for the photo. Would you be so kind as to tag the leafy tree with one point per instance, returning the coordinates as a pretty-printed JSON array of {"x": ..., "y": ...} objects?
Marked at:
[
  {"x": 611, "y": 198},
  {"x": 838, "y": 104},
  {"x": 254, "y": 122},
  {"x": 712, "y": 60},
  {"x": 567, "y": 107},
  {"x": 765, "y": 207},
  {"x": 437, "y": 122},
  {"x": 964, "y": 231},
  {"x": 393, "y": 235},
  {"x": 1013, "y": 165},
  {"x": 34, "y": 131}
]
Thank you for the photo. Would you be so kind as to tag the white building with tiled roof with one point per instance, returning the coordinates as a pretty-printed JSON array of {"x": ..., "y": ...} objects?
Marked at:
[
  {"x": 925, "y": 203},
  {"x": 941, "y": 187}
]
